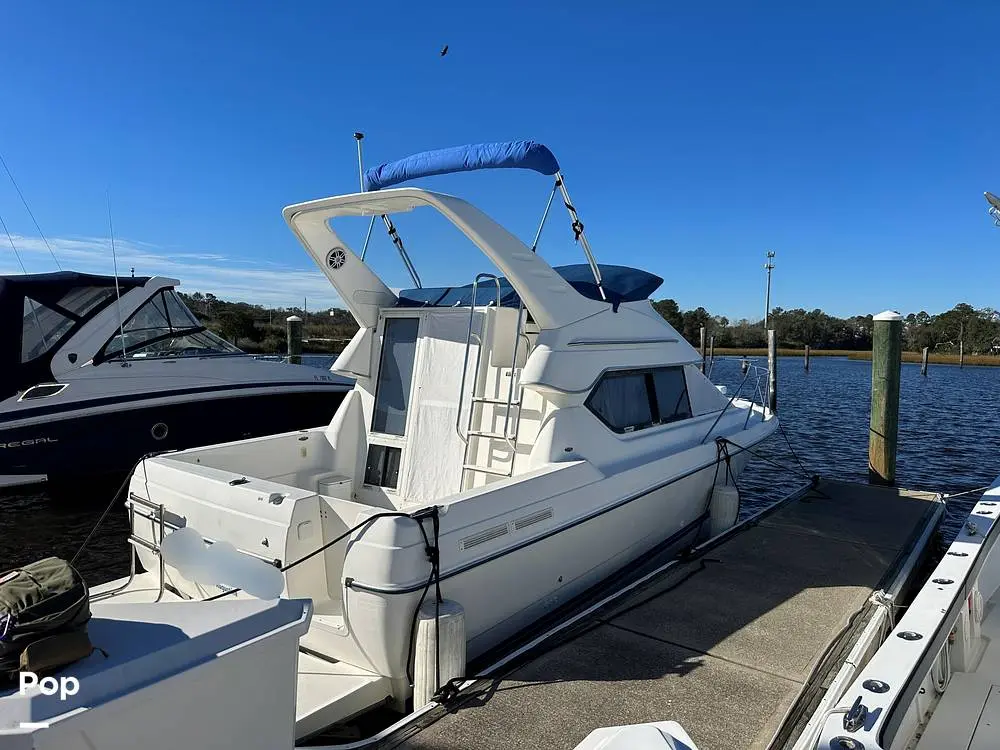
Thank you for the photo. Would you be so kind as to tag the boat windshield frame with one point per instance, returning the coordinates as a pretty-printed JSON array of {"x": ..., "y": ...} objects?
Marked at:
[{"x": 113, "y": 351}]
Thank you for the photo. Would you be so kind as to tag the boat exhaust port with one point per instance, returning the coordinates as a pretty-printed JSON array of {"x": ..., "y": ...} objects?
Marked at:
[{"x": 159, "y": 431}]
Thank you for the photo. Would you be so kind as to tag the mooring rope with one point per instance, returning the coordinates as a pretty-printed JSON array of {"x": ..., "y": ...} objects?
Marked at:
[{"x": 110, "y": 505}]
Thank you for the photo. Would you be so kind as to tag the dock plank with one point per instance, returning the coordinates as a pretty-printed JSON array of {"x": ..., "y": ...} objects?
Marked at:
[{"x": 724, "y": 644}]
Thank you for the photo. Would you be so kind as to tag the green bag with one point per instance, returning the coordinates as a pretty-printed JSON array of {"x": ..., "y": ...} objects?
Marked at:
[{"x": 46, "y": 602}]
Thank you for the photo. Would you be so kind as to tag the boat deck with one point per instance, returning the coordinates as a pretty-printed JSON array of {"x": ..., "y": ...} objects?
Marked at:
[{"x": 734, "y": 644}]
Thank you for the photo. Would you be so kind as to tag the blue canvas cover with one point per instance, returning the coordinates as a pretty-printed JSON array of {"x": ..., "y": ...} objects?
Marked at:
[
  {"x": 621, "y": 284},
  {"x": 509, "y": 155}
]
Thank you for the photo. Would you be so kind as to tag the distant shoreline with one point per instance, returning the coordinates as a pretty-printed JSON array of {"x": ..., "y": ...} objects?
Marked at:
[{"x": 983, "y": 360}]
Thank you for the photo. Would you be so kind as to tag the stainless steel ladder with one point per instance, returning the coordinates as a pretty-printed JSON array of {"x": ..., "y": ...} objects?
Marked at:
[{"x": 479, "y": 399}]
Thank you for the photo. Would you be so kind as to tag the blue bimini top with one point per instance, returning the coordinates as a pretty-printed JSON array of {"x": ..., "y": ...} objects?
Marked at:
[{"x": 509, "y": 155}]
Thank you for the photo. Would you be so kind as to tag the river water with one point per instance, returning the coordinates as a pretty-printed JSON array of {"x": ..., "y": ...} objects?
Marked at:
[{"x": 949, "y": 430}]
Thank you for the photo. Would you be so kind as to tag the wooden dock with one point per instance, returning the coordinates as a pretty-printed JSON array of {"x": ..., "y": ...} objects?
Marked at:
[{"x": 735, "y": 643}]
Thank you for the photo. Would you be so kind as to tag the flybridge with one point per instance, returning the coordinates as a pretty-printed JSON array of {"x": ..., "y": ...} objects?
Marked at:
[{"x": 551, "y": 300}]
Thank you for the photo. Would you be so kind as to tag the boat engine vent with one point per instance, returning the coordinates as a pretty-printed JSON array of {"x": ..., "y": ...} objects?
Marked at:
[
  {"x": 525, "y": 521},
  {"x": 495, "y": 532},
  {"x": 487, "y": 535}
]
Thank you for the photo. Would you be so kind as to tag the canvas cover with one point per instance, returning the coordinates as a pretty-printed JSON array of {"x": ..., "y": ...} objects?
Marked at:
[
  {"x": 507, "y": 155},
  {"x": 56, "y": 303},
  {"x": 620, "y": 283}
]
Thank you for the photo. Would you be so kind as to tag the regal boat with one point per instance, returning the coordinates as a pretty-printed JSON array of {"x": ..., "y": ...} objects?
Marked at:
[
  {"x": 507, "y": 445},
  {"x": 97, "y": 372}
]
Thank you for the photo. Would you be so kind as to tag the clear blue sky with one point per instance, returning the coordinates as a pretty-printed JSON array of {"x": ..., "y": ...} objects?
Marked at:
[{"x": 854, "y": 139}]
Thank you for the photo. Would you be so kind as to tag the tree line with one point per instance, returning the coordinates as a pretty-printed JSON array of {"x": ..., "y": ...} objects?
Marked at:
[
  {"x": 261, "y": 330},
  {"x": 979, "y": 329},
  {"x": 255, "y": 328}
]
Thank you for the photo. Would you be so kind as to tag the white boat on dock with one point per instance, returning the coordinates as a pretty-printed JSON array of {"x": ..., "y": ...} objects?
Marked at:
[{"x": 507, "y": 445}]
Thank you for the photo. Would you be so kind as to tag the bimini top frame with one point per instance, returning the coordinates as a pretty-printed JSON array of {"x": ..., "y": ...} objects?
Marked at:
[
  {"x": 506, "y": 155},
  {"x": 553, "y": 302},
  {"x": 994, "y": 211}
]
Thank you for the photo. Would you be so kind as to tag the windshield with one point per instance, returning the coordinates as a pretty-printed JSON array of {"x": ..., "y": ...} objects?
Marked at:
[{"x": 165, "y": 327}]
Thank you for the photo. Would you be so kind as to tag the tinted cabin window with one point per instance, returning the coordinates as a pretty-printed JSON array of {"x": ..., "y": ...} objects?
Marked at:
[
  {"x": 395, "y": 373},
  {"x": 671, "y": 394},
  {"x": 621, "y": 400},
  {"x": 635, "y": 399}
]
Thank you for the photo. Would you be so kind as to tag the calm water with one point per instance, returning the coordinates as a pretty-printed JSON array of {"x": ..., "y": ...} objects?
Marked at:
[{"x": 949, "y": 431}]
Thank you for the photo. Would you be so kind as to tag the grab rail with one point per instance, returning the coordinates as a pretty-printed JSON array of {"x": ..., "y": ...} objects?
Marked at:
[{"x": 468, "y": 346}]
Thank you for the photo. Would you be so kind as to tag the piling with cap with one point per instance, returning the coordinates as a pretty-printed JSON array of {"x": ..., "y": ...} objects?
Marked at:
[
  {"x": 923, "y": 361},
  {"x": 772, "y": 371},
  {"x": 807, "y": 358},
  {"x": 887, "y": 356},
  {"x": 702, "y": 334},
  {"x": 294, "y": 331}
]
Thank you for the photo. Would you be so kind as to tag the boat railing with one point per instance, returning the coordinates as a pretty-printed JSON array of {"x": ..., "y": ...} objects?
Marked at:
[
  {"x": 155, "y": 513},
  {"x": 939, "y": 634},
  {"x": 162, "y": 522},
  {"x": 759, "y": 375}
]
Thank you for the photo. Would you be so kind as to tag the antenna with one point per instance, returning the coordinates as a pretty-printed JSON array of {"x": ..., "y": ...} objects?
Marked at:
[
  {"x": 118, "y": 294},
  {"x": 769, "y": 266},
  {"x": 28, "y": 209},
  {"x": 994, "y": 207}
]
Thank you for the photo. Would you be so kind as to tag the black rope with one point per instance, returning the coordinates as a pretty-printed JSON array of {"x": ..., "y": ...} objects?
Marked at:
[
  {"x": 790, "y": 448},
  {"x": 110, "y": 505},
  {"x": 432, "y": 555},
  {"x": 779, "y": 465}
]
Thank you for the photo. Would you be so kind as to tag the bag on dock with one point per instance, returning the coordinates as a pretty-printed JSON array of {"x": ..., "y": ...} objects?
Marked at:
[{"x": 44, "y": 611}]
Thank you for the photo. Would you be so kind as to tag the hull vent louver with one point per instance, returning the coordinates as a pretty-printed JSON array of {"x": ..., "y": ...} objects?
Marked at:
[
  {"x": 525, "y": 521},
  {"x": 487, "y": 535}
]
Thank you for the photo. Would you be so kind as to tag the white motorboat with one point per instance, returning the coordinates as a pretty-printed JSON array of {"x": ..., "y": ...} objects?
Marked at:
[
  {"x": 92, "y": 381},
  {"x": 507, "y": 445}
]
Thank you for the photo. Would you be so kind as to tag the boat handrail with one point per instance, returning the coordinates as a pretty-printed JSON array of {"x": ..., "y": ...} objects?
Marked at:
[
  {"x": 468, "y": 347},
  {"x": 873, "y": 709}
]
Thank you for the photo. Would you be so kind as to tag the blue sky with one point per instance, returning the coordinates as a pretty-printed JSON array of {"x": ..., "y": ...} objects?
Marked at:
[{"x": 854, "y": 139}]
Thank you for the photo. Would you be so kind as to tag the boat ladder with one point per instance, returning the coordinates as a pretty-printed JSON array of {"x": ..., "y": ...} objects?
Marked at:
[{"x": 509, "y": 408}]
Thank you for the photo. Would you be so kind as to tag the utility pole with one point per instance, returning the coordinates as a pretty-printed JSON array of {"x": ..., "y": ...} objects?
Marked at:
[{"x": 769, "y": 266}]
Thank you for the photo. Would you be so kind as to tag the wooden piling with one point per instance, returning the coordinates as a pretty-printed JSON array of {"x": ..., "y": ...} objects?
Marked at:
[
  {"x": 772, "y": 371},
  {"x": 702, "y": 334},
  {"x": 923, "y": 361},
  {"x": 807, "y": 357},
  {"x": 887, "y": 355},
  {"x": 294, "y": 332}
]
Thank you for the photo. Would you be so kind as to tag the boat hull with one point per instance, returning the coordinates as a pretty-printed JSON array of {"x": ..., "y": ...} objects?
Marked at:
[{"x": 72, "y": 445}]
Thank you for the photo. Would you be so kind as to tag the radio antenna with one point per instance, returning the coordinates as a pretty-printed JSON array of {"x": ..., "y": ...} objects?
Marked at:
[{"x": 118, "y": 294}]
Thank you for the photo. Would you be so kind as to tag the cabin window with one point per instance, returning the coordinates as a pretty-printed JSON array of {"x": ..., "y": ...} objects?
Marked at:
[
  {"x": 83, "y": 300},
  {"x": 671, "y": 393},
  {"x": 382, "y": 466},
  {"x": 395, "y": 374},
  {"x": 629, "y": 400},
  {"x": 41, "y": 329}
]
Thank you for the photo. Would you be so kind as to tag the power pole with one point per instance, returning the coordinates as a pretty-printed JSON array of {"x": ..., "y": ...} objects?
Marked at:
[{"x": 769, "y": 266}]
